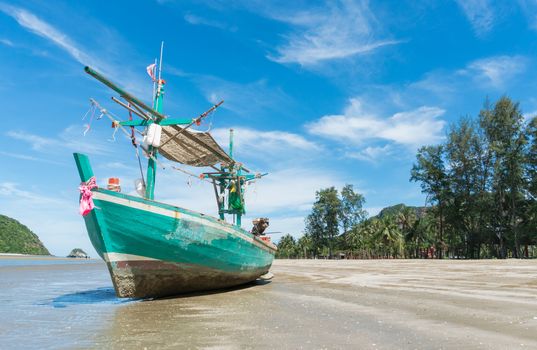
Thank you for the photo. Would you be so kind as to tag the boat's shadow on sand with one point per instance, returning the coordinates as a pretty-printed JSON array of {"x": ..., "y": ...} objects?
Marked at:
[
  {"x": 107, "y": 295},
  {"x": 216, "y": 291}
]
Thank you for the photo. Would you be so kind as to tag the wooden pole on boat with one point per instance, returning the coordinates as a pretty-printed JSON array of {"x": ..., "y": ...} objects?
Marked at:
[
  {"x": 195, "y": 121},
  {"x": 124, "y": 93},
  {"x": 153, "y": 152},
  {"x": 130, "y": 109}
]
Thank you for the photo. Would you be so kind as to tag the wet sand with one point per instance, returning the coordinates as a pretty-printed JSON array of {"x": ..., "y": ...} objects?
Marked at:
[{"x": 375, "y": 304}]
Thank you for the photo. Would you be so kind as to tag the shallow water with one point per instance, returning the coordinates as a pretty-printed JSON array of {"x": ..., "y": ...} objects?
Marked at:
[
  {"x": 397, "y": 304},
  {"x": 54, "y": 303}
]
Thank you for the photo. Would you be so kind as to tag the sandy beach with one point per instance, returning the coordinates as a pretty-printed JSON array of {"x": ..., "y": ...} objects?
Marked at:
[
  {"x": 315, "y": 304},
  {"x": 388, "y": 304}
]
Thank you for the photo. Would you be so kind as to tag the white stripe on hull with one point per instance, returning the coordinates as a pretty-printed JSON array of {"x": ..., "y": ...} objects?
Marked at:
[
  {"x": 175, "y": 214},
  {"x": 115, "y": 257}
]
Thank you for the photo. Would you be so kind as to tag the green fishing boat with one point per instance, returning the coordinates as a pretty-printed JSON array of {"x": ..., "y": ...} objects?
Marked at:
[{"x": 153, "y": 249}]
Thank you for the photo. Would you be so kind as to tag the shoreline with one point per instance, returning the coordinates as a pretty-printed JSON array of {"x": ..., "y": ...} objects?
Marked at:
[{"x": 14, "y": 256}]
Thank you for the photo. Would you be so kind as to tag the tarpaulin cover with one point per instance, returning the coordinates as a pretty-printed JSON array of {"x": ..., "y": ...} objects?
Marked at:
[{"x": 191, "y": 148}]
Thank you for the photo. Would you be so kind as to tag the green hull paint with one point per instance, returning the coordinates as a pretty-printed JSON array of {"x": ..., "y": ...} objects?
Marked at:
[{"x": 214, "y": 253}]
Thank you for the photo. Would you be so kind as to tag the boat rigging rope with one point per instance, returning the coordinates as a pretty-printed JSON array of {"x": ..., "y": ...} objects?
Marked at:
[
  {"x": 111, "y": 116},
  {"x": 115, "y": 124},
  {"x": 88, "y": 126},
  {"x": 174, "y": 167},
  {"x": 211, "y": 116}
]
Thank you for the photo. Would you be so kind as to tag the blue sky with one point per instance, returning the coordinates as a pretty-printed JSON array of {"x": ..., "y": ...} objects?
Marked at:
[{"x": 319, "y": 93}]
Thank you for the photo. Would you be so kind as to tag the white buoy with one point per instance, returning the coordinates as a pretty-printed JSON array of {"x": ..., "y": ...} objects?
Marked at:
[{"x": 154, "y": 131}]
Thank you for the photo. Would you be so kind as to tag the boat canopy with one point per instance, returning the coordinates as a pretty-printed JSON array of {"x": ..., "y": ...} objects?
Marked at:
[{"x": 192, "y": 148}]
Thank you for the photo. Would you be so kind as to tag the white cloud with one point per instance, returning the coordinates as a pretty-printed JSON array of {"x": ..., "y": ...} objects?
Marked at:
[
  {"x": 8, "y": 189},
  {"x": 289, "y": 190},
  {"x": 7, "y": 42},
  {"x": 81, "y": 54},
  {"x": 198, "y": 20},
  {"x": 496, "y": 71},
  {"x": 338, "y": 30},
  {"x": 71, "y": 139},
  {"x": 489, "y": 73},
  {"x": 265, "y": 143},
  {"x": 480, "y": 14},
  {"x": 356, "y": 126},
  {"x": 371, "y": 153},
  {"x": 27, "y": 157},
  {"x": 36, "y": 25}
]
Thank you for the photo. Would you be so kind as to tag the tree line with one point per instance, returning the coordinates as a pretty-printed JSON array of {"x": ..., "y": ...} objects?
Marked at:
[{"x": 480, "y": 186}]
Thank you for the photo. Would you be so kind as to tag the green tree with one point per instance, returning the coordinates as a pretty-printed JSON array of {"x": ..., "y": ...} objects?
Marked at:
[
  {"x": 322, "y": 224},
  {"x": 287, "y": 247},
  {"x": 421, "y": 235},
  {"x": 305, "y": 246},
  {"x": 529, "y": 236},
  {"x": 352, "y": 211},
  {"x": 430, "y": 171},
  {"x": 469, "y": 171},
  {"x": 390, "y": 236},
  {"x": 503, "y": 128}
]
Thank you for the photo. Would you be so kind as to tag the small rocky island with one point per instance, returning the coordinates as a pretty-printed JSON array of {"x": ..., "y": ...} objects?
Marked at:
[
  {"x": 15, "y": 238},
  {"x": 78, "y": 253}
]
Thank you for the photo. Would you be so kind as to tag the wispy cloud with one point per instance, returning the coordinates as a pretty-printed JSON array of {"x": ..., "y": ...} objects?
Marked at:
[
  {"x": 198, "y": 20},
  {"x": 7, "y": 42},
  {"x": 371, "y": 153},
  {"x": 266, "y": 141},
  {"x": 38, "y": 26},
  {"x": 27, "y": 157},
  {"x": 11, "y": 190},
  {"x": 78, "y": 52},
  {"x": 70, "y": 139},
  {"x": 246, "y": 99},
  {"x": 496, "y": 71},
  {"x": 357, "y": 126},
  {"x": 529, "y": 7},
  {"x": 337, "y": 30},
  {"x": 480, "y": 13}
]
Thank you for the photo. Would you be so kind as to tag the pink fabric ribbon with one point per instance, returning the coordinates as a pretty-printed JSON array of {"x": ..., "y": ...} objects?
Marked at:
[{"x": 86, "y": 200}]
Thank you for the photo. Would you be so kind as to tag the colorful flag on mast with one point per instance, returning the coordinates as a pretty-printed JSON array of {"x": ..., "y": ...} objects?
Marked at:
[{"x": 151, "y": 71}]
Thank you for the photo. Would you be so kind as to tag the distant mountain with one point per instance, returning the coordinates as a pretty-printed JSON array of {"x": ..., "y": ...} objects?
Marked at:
[
  {"x": 394, "y": 209},
  {"x": 17, "y": 238},
  {"x": 78, "y": 253}
]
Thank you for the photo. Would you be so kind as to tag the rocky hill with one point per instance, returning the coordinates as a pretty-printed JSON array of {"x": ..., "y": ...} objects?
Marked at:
[
  {"x": 78, "y": 253},
  {"x": 17, "y": 238},
  {"x": 394, "y": 209}
]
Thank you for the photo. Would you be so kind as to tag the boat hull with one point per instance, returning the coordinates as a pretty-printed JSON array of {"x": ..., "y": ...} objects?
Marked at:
[{"x": 153, "y": 249}]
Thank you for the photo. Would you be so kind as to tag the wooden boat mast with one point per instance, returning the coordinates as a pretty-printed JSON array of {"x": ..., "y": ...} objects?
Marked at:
[{"x": 153, "y": 152}]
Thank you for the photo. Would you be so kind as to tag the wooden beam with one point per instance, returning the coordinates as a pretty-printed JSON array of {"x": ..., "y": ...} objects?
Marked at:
[{"x": 124, "y": 93}]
